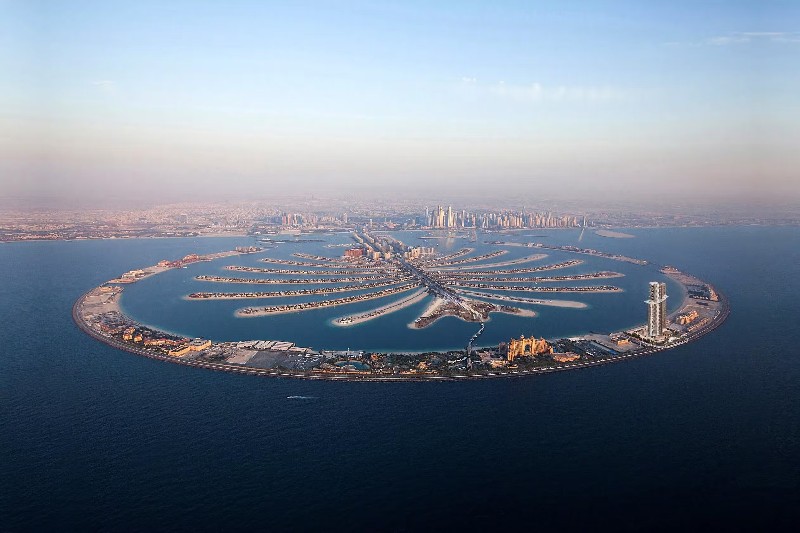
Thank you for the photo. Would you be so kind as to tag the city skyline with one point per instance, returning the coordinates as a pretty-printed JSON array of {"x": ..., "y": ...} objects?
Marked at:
[{"x": 691, "y": 101}]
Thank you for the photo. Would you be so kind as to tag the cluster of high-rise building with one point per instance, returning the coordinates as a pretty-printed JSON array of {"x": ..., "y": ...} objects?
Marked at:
[{"x": 441, "y": 217}]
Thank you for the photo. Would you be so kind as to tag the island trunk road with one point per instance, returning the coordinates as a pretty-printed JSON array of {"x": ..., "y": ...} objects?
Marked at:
[{"x": 442, "y": 291}]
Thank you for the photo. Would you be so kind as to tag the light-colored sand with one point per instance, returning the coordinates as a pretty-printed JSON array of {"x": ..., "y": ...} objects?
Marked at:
[
  {"x": 241, "y": 357},
  {"x": 381, "y": 311},
  {"x": 614, "y": 234}
]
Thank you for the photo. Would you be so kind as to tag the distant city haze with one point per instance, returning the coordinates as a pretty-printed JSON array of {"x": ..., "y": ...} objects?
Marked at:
[{"x": 146, "y": 102}]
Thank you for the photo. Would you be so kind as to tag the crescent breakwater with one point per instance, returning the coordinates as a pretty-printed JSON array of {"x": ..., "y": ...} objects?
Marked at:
[{"x": 98, "y": 314}]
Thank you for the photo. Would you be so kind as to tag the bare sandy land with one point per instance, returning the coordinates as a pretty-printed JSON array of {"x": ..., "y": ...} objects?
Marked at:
[
  {"x": 614, "y": 234},
  {"x": 382, "y": 311},
  {"x": 536, "y": 301},
  {"x": 241, "y": 357},
  {"x": 97, "y": 302}
]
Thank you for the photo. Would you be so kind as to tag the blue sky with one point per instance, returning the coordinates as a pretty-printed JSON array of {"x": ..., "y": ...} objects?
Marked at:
[{"x": 678, "y": 97}]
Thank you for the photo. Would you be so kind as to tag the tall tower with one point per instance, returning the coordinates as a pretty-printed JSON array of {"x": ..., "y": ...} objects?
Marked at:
[{"x": 656, "y": 309}]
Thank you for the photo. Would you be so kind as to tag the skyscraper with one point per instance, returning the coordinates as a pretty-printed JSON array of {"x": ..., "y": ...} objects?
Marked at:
[{"x": 656, "y": 309}]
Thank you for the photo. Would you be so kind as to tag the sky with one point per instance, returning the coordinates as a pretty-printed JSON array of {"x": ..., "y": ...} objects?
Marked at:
[{"x": 588, "y": 99}]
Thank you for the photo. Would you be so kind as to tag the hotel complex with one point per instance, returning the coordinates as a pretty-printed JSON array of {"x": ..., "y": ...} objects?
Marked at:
[{"x": 656, "y": 310}]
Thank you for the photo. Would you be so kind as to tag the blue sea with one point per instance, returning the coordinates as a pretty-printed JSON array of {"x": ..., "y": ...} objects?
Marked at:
[{"x": 703, "y": 436}]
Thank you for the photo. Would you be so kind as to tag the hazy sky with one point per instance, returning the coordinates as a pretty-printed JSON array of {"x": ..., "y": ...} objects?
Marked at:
[{"x": 250, "y": 98}]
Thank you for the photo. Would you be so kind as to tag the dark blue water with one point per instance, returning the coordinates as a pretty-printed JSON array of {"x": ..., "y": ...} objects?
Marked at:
[{"x": 703, "y": 436}]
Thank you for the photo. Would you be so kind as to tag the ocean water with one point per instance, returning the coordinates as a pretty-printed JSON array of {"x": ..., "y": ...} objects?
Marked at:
[{"x": 703, "y": 436}]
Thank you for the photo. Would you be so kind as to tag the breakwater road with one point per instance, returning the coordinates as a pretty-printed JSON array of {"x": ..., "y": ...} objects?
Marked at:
[
  {"x": 598, "y": 288},
  {"x": 541, "y": 279},
  {"x": 293, "y": 281},
  {"x": 325, "y": 272},
  {"x": 510, "y": 262},
  {"x": 286, "y": 294},
  {"x": 294, "y": 308},
  {"x": 372, "y": 314}
]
